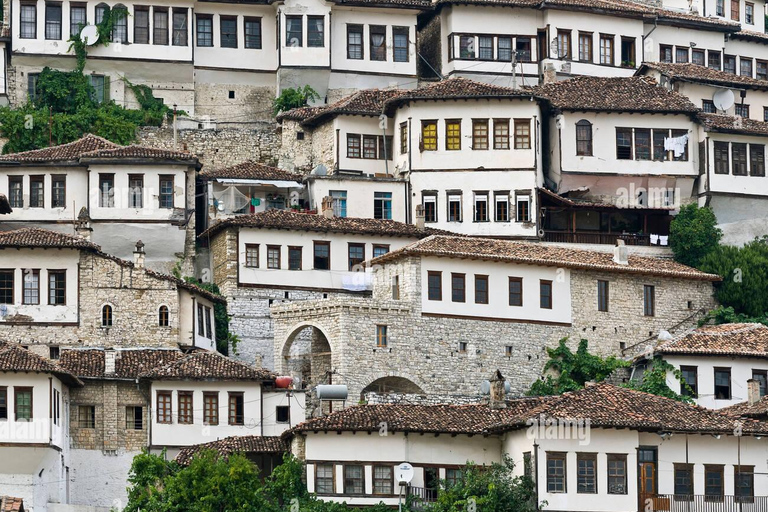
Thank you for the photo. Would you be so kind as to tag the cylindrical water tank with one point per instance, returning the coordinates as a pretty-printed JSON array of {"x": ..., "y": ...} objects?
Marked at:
[{"x": 332, "y": 392}]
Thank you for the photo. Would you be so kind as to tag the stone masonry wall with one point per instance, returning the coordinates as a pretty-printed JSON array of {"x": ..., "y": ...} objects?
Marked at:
[{"x": 317, "y": 147}]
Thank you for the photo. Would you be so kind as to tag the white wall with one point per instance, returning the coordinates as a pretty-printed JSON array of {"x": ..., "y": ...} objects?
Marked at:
[
  {"x": 682, "y": 37},
  {"x": 361, "y": 125},
  {"x": 188, "y": 317},
  {"x": 99, "y": 479},
  {"x": 360, "y": 194},
  {"x": 23, "y": 260},
  {"x": 498, "y": 283},
  {"x": 304, "y": 55},
  {"x": 757, "y": 100},
  {"x": 41, "y": 430},
  {"x": 295, "y": 399},
  {"x": 76, "y": 193},
  {"x": 728, "y": 183}
]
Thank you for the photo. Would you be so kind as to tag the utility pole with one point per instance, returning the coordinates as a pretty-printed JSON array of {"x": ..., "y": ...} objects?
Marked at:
[{"x": 174, "y": 128}]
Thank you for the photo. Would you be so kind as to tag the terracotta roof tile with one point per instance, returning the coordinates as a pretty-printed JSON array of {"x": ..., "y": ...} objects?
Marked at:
[
  {"x": 367, "y": 102},
  {"x": 539, "y": 254},
  {"x": 301, "y": 113},
  {"x": 252, "y": 171},
  {"x": 688, "y": 72},
  {"x": 423, "y": 5},
  {"x": 678, "y": 17},
  {"x": 750, "y": 35},
  {"x": 626, "y": 94},
  {"x": 69, "y": 152},
  {"x": 724, "y": 340},
  {"x": 204, "y": 365},
  {"x": 129, "y": 363},
  {"x": 5, "y": 205},
  {"x": 757, "y": 410},
  {"x": 11, "y": 504},
  {"x": 286, "y": 219},
  {"x": 731, "y": 124},
  {"x": 37, "y": 237},
  {"x": 229, "y": 445},
  {"x": 15, "y": 358},
  {"x": 138, "y": 153}
]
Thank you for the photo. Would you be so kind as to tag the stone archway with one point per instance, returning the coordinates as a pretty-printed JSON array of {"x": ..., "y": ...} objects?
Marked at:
[
  {"x": 392, "y": 384},
  {"x": 307, "y": 355}
]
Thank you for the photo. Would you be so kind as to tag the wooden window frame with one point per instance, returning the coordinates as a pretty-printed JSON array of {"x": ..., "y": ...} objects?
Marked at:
[
  {"x": 185, "y": 411},
  {"x": 439, "y": 275},
  {"x": 352, "y": 262},
  {"x": 382, "y": 336},
  {"x": 556, "y": 456},
  {"x": 163, "y": 411},
  {"x": 524, "y": 141},
  {"x": 248, "y": 259},
  {"x": 695, "y": 387},
  {"x": 501, "y": 134},
  {"x": 620, "y": 457},
  {"x": 12, "y": 273},
  {"x": 57, "y": 272},
  {"x": 291, "y": 250},
  {"x": 480, "y": 132},
  {"x": 39, "y": 180},
  {"x": 688, "y": 468},
  {"x": 232, "y": 417},
  {"x": 362, "y": 479},
  {"x": 272, "y": 249},
  {"x": 588, "y": 55},
  {"x": 315, "y": 245},
  {"x": 390, "y": 479},
  {"x": 715, "y": 371},
  {"x": 332, "y": 478},
  {"x": 211, "y": 419},
  {"x": 453, "y": 134},
  {"x": 23, "y": 389},
  {"x": 582, "y": 456},
  {"x": 433, "y": 146},
  {"x": 481, "y": 278},
  {"x": 463, "y": 289},
  {"x": 718, "y": 469},
  {"x": 509, "y": 291},
  {"x": 603, "y": 295},
  {"x": 542, "y": 284},
  {"x": 33, "y": 272},
  {"x": 649, "y": 300}
]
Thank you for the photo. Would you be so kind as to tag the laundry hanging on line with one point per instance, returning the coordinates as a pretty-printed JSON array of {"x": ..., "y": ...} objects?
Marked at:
[{"x": 676, "y": 144}]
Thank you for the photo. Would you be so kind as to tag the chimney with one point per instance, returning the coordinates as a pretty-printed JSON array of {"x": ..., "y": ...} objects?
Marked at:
[
  {"x": 109, "y": 361},
  {"x": 138, "y": 254},
  {"x": 620, "y": 253},
  {"x": 326, "y": 208},
  {"x": 498, "y": 391},
  {"x": 753, "y": 391},
  {"x": 549, "y": 74},
  {"x": 83, "y": 224},
  {"x": 420, "y": 216}
]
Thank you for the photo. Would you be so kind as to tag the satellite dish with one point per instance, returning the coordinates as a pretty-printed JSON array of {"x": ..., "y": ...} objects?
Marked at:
[
  {"x": 664, "y": 335},
  {"x": 404, "y": 473},
  {"x": 89, "y": 35},
  {"x": 320, "y": 170},
  {"x": 723, "y": 99}
]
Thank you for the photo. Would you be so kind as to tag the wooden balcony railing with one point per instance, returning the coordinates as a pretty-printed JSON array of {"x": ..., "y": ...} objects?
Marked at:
[
  {"x": 422, "y": 493},
  {"x": 701, "y": 503},
  {"x": 595, "y": 237}
]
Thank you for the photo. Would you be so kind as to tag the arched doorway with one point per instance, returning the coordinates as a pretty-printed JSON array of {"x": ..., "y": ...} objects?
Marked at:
[
  {"x": 307, "y": 356},
  {"x": 385, "y": 385}
]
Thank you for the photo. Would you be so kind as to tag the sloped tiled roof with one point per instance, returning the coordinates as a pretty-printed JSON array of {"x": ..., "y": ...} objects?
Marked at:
[
  {"x": 68, "y": 153},
  {"x": 134, "y": 152},
  {"x": 236, "y": 444},
  {"x": 731, "y": 124},
  {"x": 688, "y": 72},
  {"x": 603, "y": 405},
  {"x": 756, "y": 410},
  {"x": 11, "y": 504},
  {"x": 37, "y": 237},
  {"x": 539, "y": 254},
  {"x": 129, "y": 363},
  {"x": 252, "y": 171},
  {"x": 286, "y": 219},
  {"x": 721, "y": 340},
  {"x": 624, "y": 94},
  {"x": 15, "y": 358},
  {"x": 204, "y": 365},
  {"x": 422, "y": 5},
  {"x": 750, "y": 35},
  {"x": 367, "y": 102}
]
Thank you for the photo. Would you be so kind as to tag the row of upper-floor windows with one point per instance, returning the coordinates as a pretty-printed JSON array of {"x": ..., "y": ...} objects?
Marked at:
[
  {"x": 17, "y": 403},
  {"x": 486, "y": 134},
  {"x": 658, "y": 144},
  {"x": 35, "y": 284},
  {"x": 732, "y": 9},
  {"x": 186, "y": 414},
  {"x": 108, "y": 316},
  {"x": 321, "y": 256},
  {"x": 714, "y": 59},
  {"x": 723, "y": 383},
  {"x": 382, "y": 204},
  {"x": 369, "y": 147},
  {"x": 382, "y": 478},
  {"x": 739, "y": 158},
  {"x": 85, "y": 417},
  {"x": 502, "y": 211}
]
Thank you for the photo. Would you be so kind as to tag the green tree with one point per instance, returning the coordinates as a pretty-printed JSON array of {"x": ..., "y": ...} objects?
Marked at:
[
  {"x": 573, "y": 369},
  {"x": 294, "y": 98},
  {"x": 693, "y": 234},
  {"x": 745, "y": 276},
  {"x": 726, "y": 315},
  {"x": 654, "y": 381}
]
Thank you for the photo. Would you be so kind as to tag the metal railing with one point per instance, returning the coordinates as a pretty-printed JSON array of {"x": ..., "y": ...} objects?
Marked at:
[
  {"x": 701, "y": 503},
  {"x": 423, "y": 493},
  {"x": 595, "y": 237}
]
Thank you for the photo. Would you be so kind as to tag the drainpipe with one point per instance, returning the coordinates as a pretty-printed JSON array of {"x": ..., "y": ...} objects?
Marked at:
[
  {"x": 536, "y": 474},
  {"x": 149, "y": 413},
  {"x": 50, "y": 411}
]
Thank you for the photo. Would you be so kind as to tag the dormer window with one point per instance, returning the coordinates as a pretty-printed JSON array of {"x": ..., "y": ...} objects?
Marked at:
[{"x": 106, "y": 316}]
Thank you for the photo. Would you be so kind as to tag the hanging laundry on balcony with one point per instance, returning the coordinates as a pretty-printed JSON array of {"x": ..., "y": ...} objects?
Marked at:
[{"x": 676, "y": 144}]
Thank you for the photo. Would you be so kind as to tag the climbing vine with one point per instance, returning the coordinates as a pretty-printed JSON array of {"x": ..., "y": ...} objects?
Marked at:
[{"x": 654, "y": 381}]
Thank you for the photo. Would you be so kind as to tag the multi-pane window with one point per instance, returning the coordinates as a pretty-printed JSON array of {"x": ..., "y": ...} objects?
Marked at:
[
  {"x": 107, "y": 318},
  {"x": 31, "y": 286},
  {"x": 77, "y": 18},
  {"x": 294, "y": 258},
  {"x": 339, "y": 199},
  {"x": 683, "y": 482},
  {"x": 454, "y": 208},
  {"x": 57, "y": 287},
  {"x": 86, "y": 416},
  {"x": 708, "y": 106},
  {"x": 504, "y": 49},
  {"x": 200, "y": 319},
  {"x": 252, "y": 255},
  {"x": 228, "y": 25},
  {"x": 380, "y": 250},
  {"x": 382, "y": 205},
  {"x": 522, "y": 134},
  {"x": 236, "y": 408},
  {"x": 741, "y": 110},
  {"x": 501, "y": 207},
  {"x": 642, "y": 144},
  {"x": 563, "y": 44},
  {"x": 617, "y": 474},
  {"x": 458, "y": 287},
  {"x": 403, "y": 138},
  {"x": 467, "y": 47},
  {"x": 429, "y": 135},
  {"x": 523, "y": 47},
  {"x": 501, "y": 134},
  {"x": 481, "y": 207},
  {"x": 356, "y": 255},
  {"x": 721, "y": 158},
  {"x": 164, "y": 407},
  {"x": 744, "y": 483},
  {"x": 649, "y": 300},
  {"x": 606, "y": 49},
  {"x": 516, "y": 291},
  {"x": 485, "y": 47},
  {"x": 100, "y": 84},
  {"x": 28, "y": 21},
  {"x": 273, "y": 256},
  {"x": 729, "y": 64},
  {"x": 545, "y": 294},
  {"x": 761, "y": 376},
  {"x": 745, "y": 67},
  {"x": 16, "y": 191},
  {"x": 453, "y": 134},
  {"x": 429, "y": 201},
  {"x": 735, "y": 10},
  {"x": 382, "y": 479},
  {"x": 36, "y": 191},
  {"x": 3, "y": 403},
  {"x": 665, "y": 53},
  {"x": 354, "y": 480},
  {"x": 523, "y": 208},
  {"x": 141, "y": 26},
  {"x": 204, "y": 30},
  {"x": 355, "y": 42},
  {"x": 739, "y": 159},
  {"x": 434, "y": 285},
  {"x": 163, "y": 316},
  {"x": 480, "y": 134},
  {"x": 722, "y": 383},
  {"x": 135, "y": 190},
  {"x": 602, "y": 295},
  {"x": 208, "y": 326},
  {"x": 369, "y": 147},
  {"x": 556, "y": 472},
  {"x": 294, "y": 36},
  {"x": 378, "y": 42},
  {"x": 53, "y": 20},
  {"x": 252, "y": 30},
  {"x": 23, "y": 402},
  {"x": 381, "y": 336},
  {"x": 210, "y": 408},
  {"x": 585, "y": 46},
  {"x": 179, "y": 27},
  {"x": 689, "y": 381},
  {"x": 761, "y": 70},
  {"x": 353, "y": 145},
  {"x": 324, "y": 479},
  {"x": 400, "y": 44},
  {"x": 6, "y": 285},
  {"x": 134, "y": 417},
  {"x": 714, "y": 485},
  {"x": 120, "y": 24},
  {"x": 185, "y": 407},
  {"x": 385, "y": 147},
  {"x": 586, "y": 476},
  {"x": 160, "y": 25},
  {"x": 697, "y": 57},
  {"x": 322, "y": 255},
  {"x": 749, "y": 13},
  {"x": 713, "y": 59},
  {"x": 584, "y": 138},
  {"x": 481, "y": 289},
  {"x": 315, "y": 31},
  {"x": 681, "y": 54},
  {"x": 720, "y": 7},
  {"x": 396, "y": 287}
]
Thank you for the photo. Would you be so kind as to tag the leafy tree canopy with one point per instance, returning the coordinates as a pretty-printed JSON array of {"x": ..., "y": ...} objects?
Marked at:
[
  {"x": 654, "y": 380},
  {"x": 294, "y": 98},
  {"x": 727, "y": 315},
  {"x": 693, "y": 234}
]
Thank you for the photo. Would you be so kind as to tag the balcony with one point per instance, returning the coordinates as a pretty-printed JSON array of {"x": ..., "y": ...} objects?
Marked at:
[
  {"x": 422, "y": 494},
  {"x": 701, "y": 503},
  {"x": 595, "y": 237}
]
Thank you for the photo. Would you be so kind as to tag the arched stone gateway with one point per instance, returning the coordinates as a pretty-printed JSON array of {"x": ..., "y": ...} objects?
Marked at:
[
  {"x": 307, "y": 355},
  {"x": 392, "y": 385}
]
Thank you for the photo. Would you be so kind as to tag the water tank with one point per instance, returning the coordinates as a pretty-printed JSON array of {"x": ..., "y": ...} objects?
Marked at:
[
  {"x": 283, "y": 382},
  {"x": 332, "y": 392}
]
